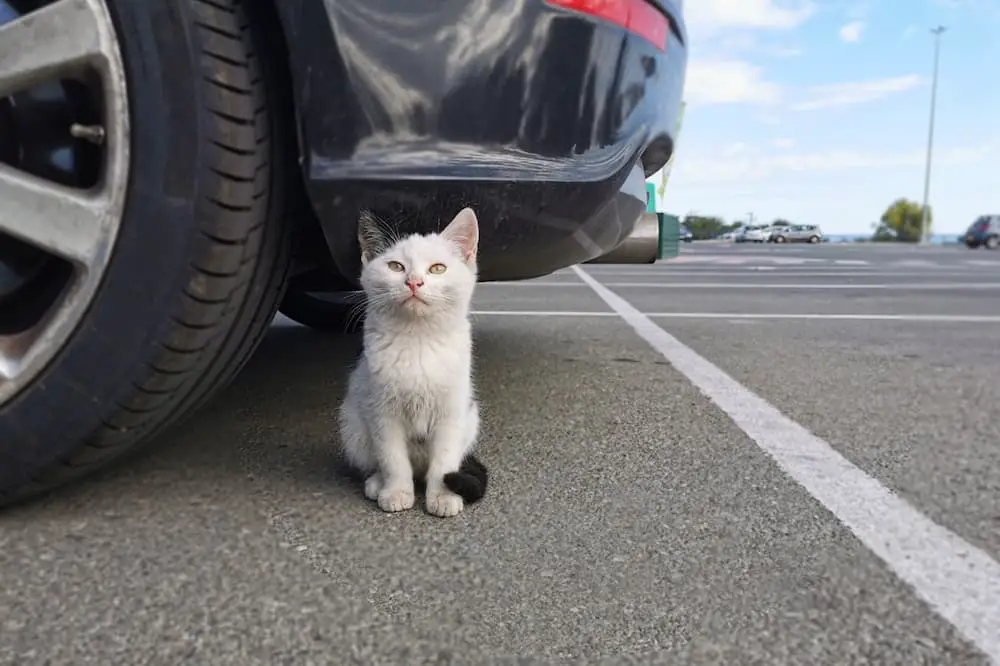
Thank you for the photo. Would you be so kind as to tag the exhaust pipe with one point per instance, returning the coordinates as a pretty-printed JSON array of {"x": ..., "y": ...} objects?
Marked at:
[{"x": 640, "y": 247}]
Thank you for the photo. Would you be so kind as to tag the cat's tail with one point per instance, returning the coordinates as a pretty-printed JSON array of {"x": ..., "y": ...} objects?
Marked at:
[{"x": 470, "y": 481}]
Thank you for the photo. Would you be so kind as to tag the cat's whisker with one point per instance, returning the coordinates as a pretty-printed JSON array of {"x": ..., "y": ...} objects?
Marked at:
[{"x": 354, "y": 314}]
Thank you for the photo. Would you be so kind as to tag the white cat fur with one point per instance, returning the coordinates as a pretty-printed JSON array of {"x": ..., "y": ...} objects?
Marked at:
[{"x": 410, "y": 406}]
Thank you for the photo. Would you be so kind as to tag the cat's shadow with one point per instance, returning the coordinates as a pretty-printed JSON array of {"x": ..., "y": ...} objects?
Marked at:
[{"x": 307, "y": 372}]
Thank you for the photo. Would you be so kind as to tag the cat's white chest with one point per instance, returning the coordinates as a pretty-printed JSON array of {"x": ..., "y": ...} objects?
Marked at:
[
  {"x": 424, "y": 368},
  {"x": 423, "y": 376}
]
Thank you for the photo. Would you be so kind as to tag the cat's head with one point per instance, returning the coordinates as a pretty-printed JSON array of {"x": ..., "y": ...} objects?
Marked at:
[{"x": 419, "y": 275}]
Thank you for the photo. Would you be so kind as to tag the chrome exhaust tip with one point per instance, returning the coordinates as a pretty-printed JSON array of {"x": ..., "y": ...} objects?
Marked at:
[{"x": 639, "y": 247}]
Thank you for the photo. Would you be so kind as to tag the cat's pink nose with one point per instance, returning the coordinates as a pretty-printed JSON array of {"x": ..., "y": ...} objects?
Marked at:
[{"x": 414, "y": 285}]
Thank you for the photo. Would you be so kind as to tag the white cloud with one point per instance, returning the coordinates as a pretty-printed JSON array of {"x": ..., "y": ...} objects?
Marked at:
[
  {"x": 768, "y": 118},
  {"x": 728, "y": 166},
  {"x": 783, "y": 143},
  {"x": 859, "y": 10},
  {"x": 704, "y": 17},
  {"x": 783, "y": 51},
  {"x": 734, "y": 149},
  {"x": 727, "y": 82},
  {"x": 745, "y": 43},
  {"x": 984, "y": 9},
  {"x": 851, "y": 32},
  {"x": 856, "y": 92}
]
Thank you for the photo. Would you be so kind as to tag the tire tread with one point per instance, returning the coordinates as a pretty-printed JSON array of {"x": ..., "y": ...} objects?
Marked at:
[{"x": 242, "y": 254}]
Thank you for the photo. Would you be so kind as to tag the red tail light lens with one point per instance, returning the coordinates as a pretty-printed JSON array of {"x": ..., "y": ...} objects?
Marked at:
[{"x": 636, "y": 16}]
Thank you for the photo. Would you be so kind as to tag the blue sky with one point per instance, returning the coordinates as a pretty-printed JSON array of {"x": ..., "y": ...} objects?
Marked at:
[{"x": 817, "y": 111}]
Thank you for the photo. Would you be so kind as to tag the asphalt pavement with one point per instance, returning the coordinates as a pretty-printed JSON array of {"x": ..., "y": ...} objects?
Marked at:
[{"x": 749, "y": 454}]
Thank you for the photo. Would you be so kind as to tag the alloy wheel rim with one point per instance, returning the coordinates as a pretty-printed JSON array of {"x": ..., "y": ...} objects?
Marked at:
[{"x": 73, "y": 227}]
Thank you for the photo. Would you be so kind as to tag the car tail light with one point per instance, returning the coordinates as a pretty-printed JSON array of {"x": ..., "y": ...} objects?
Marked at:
[{"x": 636, "y": 16}]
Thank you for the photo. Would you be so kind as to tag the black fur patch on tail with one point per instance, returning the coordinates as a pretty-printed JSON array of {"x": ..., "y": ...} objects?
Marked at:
[{"x": 470, "y": 481}]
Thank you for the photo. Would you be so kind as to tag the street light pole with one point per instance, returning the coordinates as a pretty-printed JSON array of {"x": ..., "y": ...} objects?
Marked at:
[{"x": 930, "y": 135}]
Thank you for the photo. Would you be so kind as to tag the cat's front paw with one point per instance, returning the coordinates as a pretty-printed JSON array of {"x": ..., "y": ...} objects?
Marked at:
[
  {"x": 393, "y": 500},
  {"x": 444, "y": 504}
]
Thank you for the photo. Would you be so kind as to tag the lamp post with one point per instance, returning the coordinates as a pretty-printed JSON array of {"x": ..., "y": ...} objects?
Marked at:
[{"x": 930, "y": 134}]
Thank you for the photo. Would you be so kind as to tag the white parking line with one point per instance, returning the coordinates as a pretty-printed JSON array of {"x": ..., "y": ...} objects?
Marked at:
[
  {"x": 772, "y": 272},
  {"x": 541, "y": 313},
  {"x": 930, "y": 318},
  {"x": 976, "y": 286},
  {"x": 958, "y": 580},
  {"x": 528, "y": 283},
  {"x": 933, "y": 318}
]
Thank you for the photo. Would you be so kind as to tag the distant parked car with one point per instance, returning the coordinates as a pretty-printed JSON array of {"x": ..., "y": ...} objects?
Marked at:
[
  {"x": 984, "y": 232},
  {"x": 686, "y": 234},
  {"x": 800, "y": 233},
  {"x": 776, "y": 230},
  {"x": 752, "y": 234}
]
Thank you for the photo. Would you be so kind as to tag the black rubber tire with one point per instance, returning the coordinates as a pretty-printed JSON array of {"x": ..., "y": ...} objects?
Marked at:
[
  {"x": 814, "y": 239},
  {"x": 202, "y": 256},
  {"x": 341, "y": 313},
  {"x": 779, "y": 239},
  {"x": 992, "y": 242}
]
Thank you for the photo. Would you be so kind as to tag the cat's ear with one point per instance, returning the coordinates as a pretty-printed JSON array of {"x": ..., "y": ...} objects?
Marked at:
[
  {"x": 463, "y": 230},
  {"x": 371, "y": 236}
]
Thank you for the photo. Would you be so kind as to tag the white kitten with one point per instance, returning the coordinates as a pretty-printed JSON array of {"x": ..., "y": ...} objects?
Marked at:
[{"x": 410, "y": 408}]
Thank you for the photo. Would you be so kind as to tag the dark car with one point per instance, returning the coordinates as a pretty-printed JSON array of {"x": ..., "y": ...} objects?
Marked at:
[
  {"x": 686, "y": 234},
  {"x": 172, "y": 172},
  {"x": 984, "y": 232}
]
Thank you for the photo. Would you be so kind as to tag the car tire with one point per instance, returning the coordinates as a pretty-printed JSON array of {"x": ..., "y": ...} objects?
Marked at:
[
  {"x": 992, "y": 242},
  {"x": 340, "y": 312},
  {"x": 201, "y": 256},
  {"x": 814, "y": 239},
  {"x": 779, "y": 239}
]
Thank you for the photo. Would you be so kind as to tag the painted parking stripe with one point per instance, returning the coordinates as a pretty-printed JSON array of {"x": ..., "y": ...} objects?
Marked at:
[
  {"x": 914, "y": 262},
  {"x": 773, "y": 272},
  {"x": 958, "y": 580},
  {"x": 939, "y": 319},
  {"x": 902, "y": 286}
]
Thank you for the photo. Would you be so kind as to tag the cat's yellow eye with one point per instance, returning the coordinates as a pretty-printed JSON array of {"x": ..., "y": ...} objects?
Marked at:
[
  {"x": 437, "y": 269},
  {"x": 396, "y": 267}
]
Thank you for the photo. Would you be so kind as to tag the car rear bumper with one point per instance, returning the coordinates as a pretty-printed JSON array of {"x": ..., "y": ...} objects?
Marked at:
[{"x": 533, "y": 114}]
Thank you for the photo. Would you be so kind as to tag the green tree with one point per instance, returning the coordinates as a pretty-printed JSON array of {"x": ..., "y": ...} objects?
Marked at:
[
  {"x": 704, "y": 227},
  {"x": 781, "y": 222},
  {"x": 901, "y": 222}
]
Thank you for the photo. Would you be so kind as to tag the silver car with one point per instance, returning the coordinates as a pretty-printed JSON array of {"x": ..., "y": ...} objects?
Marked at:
[
  {"x": 799, "y": 233},
  {"x": 752, "y": 234},
  {"x": 776, "y": 230}
]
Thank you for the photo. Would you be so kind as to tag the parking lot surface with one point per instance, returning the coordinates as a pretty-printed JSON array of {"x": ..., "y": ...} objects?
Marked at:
[{"x": 750, "y": 454}]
